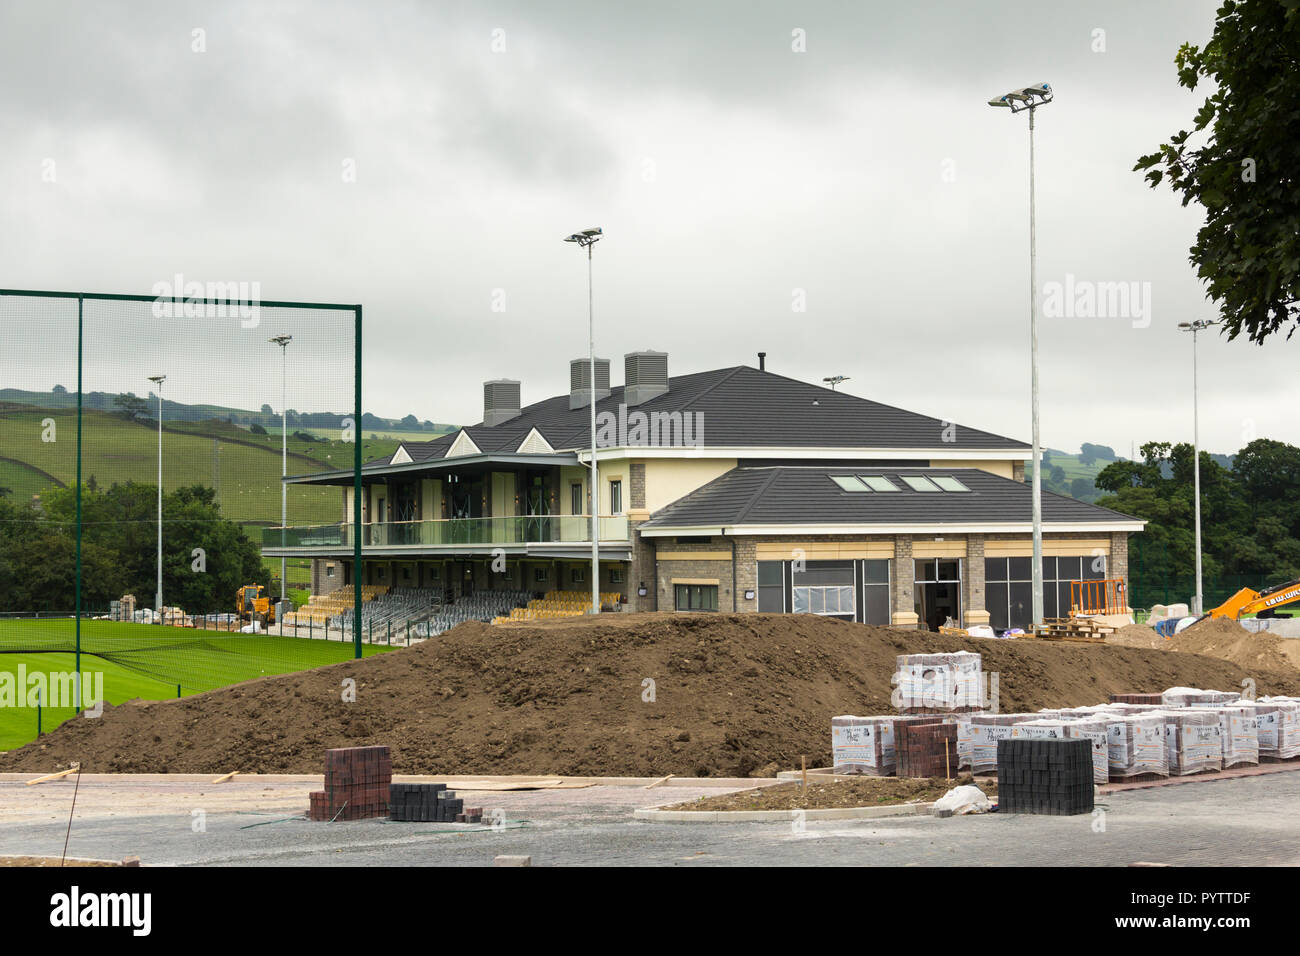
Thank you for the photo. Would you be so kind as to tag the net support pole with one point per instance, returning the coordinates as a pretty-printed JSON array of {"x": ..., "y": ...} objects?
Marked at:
[
  {"x": 356, "y": 497},
  {"x": 77, "y": 623}
]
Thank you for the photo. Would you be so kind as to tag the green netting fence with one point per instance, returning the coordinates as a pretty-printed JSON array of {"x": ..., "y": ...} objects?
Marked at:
[{"x": 143, "y": 440}]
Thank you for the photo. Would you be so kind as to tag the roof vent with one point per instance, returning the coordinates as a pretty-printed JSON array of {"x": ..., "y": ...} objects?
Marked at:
[
  {"x": 500, "y": 401},
  {"x": 579, "y": 381},
  {"x": 645, "y": 376}
]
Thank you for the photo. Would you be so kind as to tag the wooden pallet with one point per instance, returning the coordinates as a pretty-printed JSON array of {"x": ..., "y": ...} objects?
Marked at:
[{"x": 1078, "y": 629}]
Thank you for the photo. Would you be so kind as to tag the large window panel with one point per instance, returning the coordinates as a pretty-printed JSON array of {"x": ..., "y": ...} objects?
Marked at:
[{"x": 996, "y": 603}]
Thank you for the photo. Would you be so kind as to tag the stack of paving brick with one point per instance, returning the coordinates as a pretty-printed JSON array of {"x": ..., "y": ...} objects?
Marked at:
[
  {"x": 926, "y": 750},
  {"x": 1136, "y": 746},
  {"x": 1050, "y": 776},
  {"x": 866, "y": 745},
  {"x": 1193, "y": 741},
  {"x": 939, "y": 683},
  {"x": 1280, "y": 739},
  {"x": 1156, "y": 699},
  {"x": 357, "y": 784},
  {"x": 1238, "y": 734},
  {"x": 430, "y": 803},
  {"x": 1194, "y": 697}
]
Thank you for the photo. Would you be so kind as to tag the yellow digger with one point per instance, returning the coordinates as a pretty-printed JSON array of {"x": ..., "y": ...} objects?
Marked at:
[
  {"x": 254, "y": 604},
  {"x": 1260, "y": 603}
]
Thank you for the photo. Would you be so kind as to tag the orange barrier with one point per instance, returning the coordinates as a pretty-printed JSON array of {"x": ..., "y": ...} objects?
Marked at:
[{"x": 1097, "y": 597}]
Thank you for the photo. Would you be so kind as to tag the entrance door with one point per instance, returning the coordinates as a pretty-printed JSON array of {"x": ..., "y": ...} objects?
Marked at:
[{"x": 938, "y": 592}]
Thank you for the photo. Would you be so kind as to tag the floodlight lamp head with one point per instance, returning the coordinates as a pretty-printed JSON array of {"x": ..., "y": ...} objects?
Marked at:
[
  {"x": 1185, "y": 325},
  {"x": 281, "y": 340},
  {"x": 999, "y": 101},
  {"x": 586, "y": 237},
  {"x": 157, "y": 379}
]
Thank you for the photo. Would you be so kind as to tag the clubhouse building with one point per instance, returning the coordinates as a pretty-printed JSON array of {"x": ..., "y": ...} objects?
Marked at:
[{"x": 735, "y": 489}]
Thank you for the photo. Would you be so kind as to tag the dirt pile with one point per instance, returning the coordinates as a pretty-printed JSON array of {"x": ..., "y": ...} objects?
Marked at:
[
  {"x": 1221, "y": 638},
  {"x": 1228, "y": 640},
  {"x": 627, "y": 694}
]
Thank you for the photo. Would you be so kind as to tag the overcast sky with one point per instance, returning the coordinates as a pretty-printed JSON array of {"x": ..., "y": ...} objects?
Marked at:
[{"x": 734, "y": 177}]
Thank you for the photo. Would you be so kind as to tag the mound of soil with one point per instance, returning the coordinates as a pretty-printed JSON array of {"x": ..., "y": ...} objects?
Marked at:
[
  {"x": 1219, "y": 637},
  {"x": 625, "y": 694}
]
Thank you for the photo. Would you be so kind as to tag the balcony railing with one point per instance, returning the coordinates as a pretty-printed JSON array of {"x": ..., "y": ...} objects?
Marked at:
[{"x": 521, "y": 529}]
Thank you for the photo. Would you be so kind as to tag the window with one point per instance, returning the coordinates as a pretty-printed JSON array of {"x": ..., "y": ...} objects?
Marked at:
[
  {"x": 575, "y": 498},
  {"x": 848, "y": 483},
  {"x": 539, "y": 575},
  {"x": 695, "y": 597},
  {"x": 919, "y": 483},
  {"x": 875, "y": 591},
  {"x": 949, "y": 483},
  {"x": 578, "y": 575},
  {"x": 829, "y": 600},
  {"x": 616, "y": 497},
  {"x": 1009, "y": 587},
  {"x": 771, "y": 586},
  {"x": 615, "y": 575},
  {"x": 878, "y": 483}
]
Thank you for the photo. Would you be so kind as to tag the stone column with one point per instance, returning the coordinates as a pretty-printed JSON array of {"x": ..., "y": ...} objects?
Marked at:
[
  {"x": 904, "y": 578},
  {"x": 974, "y": 610}
]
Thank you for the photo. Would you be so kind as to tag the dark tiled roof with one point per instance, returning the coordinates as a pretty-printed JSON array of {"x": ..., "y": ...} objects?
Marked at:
[
  {"x": 741, "y": 406},
  {"x": 808, "y": 495}
]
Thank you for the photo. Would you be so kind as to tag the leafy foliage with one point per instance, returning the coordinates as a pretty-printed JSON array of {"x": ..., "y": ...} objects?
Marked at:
[
  {"x": 119, "y": 550},
  {"x": 1244, "y": 171},
  {"x": 1250, "y": 514}
]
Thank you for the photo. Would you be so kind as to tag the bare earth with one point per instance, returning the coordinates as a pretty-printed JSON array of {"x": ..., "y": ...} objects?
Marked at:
[{"x": 628, "y": 694}]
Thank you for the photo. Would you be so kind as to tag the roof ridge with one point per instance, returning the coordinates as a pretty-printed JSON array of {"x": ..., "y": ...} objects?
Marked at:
[{"x": 744, "y": 511}]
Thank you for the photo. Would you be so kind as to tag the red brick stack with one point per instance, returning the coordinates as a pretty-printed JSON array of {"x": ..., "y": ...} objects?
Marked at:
[
  {"x": 1156, "y": 699},
  {"x": 357, "y": 784},
  {"x": 926, "y": 750}
]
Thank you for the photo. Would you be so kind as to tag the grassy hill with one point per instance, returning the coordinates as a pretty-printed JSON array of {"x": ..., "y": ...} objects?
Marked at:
[
  {"x": 1076, "y": 477},
  {"x": 243, "y": 467}
]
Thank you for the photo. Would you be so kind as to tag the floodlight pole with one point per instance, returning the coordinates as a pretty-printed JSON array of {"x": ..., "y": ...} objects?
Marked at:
[
  {"x": 587, "y": 239},
  {"x": 158, "y": 596},
  {"x": 1198, "y": 601},
  {"x": 283, "y": 341},
  {"x": 1030, "y": 98}
]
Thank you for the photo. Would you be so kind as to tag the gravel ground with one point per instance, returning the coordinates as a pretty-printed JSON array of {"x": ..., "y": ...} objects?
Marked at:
[{"x": 1242, "y": 821}]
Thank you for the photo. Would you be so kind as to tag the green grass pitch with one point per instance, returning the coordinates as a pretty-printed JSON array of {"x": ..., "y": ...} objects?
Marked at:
[{"x": 146, "y": 661}]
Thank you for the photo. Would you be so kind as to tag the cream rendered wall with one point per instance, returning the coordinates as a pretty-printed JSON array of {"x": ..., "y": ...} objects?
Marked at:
[
  {"x": 568, "y": 475},
  {"x": 503, "y": 494},
  {"x": 1000, "y": 468},
  {"x": 668, "y": 479}
]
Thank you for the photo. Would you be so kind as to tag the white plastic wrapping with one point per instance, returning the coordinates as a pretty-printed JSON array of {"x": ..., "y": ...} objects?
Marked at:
[
  {"x": 938, "y": 682},
  {"x": 1136, "y": 745}
]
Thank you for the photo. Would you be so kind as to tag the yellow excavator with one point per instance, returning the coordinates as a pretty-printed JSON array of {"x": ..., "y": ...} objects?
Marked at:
[
  {"x": 1260, "y": 603},
  {"x": 254, "y": 604}
]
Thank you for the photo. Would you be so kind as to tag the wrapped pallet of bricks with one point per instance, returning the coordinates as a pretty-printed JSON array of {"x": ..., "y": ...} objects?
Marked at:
[
  {"x": 1192, "y": 741},
  {"x": 1239, "y": 734},
  {"x": 938, "y": 683},
  {"x": 1094, "y": 730},
  {"x": 926, "y": 749},
  {"x": 358, "y": 783},
  {"x": 986, "y": 731},
  {"x": 1136, "y": 746},
  {"x": 866, "y": 745},
  {"x": 1287, "y": 718},
  {"x": 1192, "y": 697},
  {"x": 862, "y": 745}
]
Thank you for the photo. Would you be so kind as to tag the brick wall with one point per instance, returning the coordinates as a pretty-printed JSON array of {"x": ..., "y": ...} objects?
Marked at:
[
  {"x": 322, "y": 583},
  {"x": 708, "y": 568},
  {"x": 636, "y": 484}
]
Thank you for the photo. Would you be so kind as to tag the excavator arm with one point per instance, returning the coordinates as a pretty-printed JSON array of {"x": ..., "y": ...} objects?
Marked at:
[{"x": 1260, "y": 603}]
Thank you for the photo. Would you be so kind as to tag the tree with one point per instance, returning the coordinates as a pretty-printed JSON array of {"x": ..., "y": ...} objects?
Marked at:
[
  {"x": 267, "y": 410},
  {"x": 1244, "y": 172},
  {"x": 1094, "y": 452},
  {"x": 59, "y": 390},
  {"x": 409, "y": 422},
  {"x": 130, "y": 406}
]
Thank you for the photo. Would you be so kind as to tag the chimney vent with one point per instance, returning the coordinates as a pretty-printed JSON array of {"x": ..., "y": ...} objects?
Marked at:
[
  {"x": 500, "y": 401},
  {"x": 762, "y": 361},
  {"x": 580, "y": 385},
  {"x": 645, "y": 376}
]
